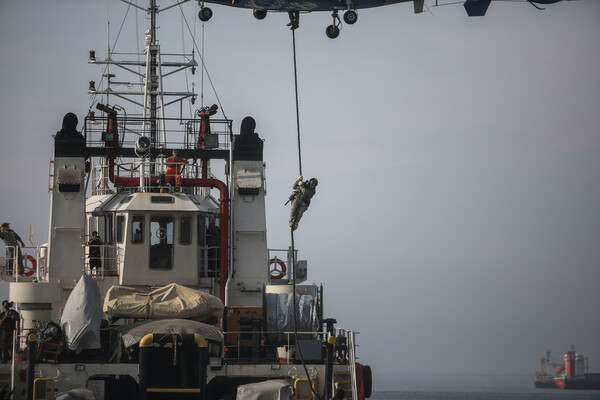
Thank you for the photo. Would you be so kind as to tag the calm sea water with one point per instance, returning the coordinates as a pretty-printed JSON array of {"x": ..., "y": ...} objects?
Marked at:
[{"x": 526, "y": 394}]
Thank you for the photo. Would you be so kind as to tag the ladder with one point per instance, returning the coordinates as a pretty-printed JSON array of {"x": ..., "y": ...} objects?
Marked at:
[{"x": 346, "y": 380}]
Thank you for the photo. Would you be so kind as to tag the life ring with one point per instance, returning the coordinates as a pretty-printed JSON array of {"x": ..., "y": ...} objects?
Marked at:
[
  {"x": 280, "y": 273},
  {"x": 28, "y": 271}
]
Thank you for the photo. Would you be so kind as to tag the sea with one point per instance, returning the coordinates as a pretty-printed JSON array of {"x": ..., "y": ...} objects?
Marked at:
[{"x": 487, "y": 394}]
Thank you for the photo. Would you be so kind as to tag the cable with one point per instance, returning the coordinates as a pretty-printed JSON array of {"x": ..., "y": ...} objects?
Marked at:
[
  {"x": 297, "y": 107},
  {"x": 295, "y": 305}
]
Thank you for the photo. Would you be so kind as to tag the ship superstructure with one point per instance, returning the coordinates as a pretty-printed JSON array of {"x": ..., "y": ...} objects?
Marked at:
[
  {"x": 574, "y": 374},
  {"x": 544, "y": 378},
  {"x": 189, "y": 301}
]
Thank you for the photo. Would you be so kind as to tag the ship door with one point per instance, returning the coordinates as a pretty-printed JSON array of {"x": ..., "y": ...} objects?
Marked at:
[
  {"x": 173, "y": 366},
  {"x": 161, "y": 242}
]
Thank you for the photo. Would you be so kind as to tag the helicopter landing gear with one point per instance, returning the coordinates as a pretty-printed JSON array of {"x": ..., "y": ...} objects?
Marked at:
[
  {"x": 333, "y": 30},
  {"x": 259, "y": 14},
  {"x": 205, "y": 14},
  {"x": 350, "y": 17}
]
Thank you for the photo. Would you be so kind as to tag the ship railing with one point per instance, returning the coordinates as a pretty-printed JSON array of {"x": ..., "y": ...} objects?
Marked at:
[
  {"x": 35, "y": 263},
  {"x": 254, "y": 347},
  {"x": 209, "y": 261},
  {"x": 352, "y": 362},
  {"x": 145, "y": 170},
  {"x": 100, "y": 180},
  {"x": 109, "y": 260},
  {"x": 345, "y": 353},
  {"x": 179, "y": 133},
  {"x": 276, "y": 256}
]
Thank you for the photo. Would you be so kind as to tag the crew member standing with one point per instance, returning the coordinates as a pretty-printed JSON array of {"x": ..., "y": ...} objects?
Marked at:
[
  {"x": 174, "y": 167},
  {"x": 94, "y": 252},
  {"x": 9, "y": 321},
  {"x": 12, "y": 240},
  {"x": 213, "y": 240}
]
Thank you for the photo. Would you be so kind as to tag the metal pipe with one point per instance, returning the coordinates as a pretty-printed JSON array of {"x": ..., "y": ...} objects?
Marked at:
[{"x": 31, "y": 339}]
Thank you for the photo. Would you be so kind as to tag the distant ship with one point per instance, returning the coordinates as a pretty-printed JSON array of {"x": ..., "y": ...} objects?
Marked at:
[
  {"x": 574, "y": 375},
  {"x": 544, "y": 378}
]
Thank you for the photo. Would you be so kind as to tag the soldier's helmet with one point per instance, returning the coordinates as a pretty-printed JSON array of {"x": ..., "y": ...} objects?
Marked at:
[{"x": 313, "y": 181}]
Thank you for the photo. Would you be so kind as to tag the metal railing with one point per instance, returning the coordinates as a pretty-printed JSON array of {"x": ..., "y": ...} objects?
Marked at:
[
  {"x": 283, "y": 255},
  {"x": 34, "y": 265},
  {"x": 283, "y": 351},
  {"x": 110, "y": 259},
  {"x": 183, "y": 133}
]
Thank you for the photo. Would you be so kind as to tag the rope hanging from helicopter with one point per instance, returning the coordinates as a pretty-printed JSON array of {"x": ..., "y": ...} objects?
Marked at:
[
  {"x": 294, "y": 24},
  {"x": 297, "y": 106}
]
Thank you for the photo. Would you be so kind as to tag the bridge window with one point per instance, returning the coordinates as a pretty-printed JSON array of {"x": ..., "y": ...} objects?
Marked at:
[
  {"x": 201, "y": 229},
  {"x": 185, "y": 230},
  {"x": 108, "y": 221},
  {"x": 120, "y": 228},
  {"x": 137, "y": 229},
  {"x": 161, "y": 242},
  {"x": 162, "y": 199}
]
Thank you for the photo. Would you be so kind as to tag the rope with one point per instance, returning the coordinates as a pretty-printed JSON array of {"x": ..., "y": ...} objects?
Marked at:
[
  {"x": 297, "y": 108},
  {"x": 174, "y": 349}
]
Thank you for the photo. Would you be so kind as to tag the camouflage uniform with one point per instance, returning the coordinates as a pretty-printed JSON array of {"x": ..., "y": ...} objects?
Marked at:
[
  {"x": 11, "y": 240},
  {"x": 304, "y": 191}
]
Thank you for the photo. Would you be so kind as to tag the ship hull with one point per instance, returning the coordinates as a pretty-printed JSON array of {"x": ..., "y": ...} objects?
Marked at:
[
  {"x": 577, "y": 384},
  {"x": 545, "y": 384}
]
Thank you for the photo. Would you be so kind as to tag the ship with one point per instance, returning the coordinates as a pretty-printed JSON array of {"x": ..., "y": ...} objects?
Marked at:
[
  {"x": 574, "y": 375},
  {"x": 544, "y": 378},
  {"x": 182, "y": 298}
]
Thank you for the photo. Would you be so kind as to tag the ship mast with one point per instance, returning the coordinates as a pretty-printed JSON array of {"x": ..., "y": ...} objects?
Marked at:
[
  {"x": 152, "y": 93},
  {"x": 151, "y": 86}
]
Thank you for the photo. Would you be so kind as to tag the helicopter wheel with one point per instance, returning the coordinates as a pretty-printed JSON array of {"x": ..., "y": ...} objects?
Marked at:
[
  {"x": 259, "y": 14},
  {"x": 205, "y": 14},
  {"x": 332, "y": 31},
  {"x": 350, "y": 17}
]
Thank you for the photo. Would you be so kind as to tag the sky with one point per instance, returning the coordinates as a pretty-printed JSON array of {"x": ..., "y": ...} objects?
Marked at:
[{"x": 456, "y": 223}]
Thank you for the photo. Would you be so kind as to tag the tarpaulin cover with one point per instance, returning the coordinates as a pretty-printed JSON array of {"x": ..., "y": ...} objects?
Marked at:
[
  {"x": 280, "y": 313},
  {"x": 171, "y": 301},
  {"x": 277, "y": 389},
  {"x": 76, "y": 394},
  {"x": 133, "y": 333},
  {"x": 82, "y": 316}
]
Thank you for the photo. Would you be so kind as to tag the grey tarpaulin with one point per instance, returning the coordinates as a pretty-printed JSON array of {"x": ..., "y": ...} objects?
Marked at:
[
  {"x": 82, "y": 316},
  {"x": 277, "y": 389},
  {"x": 76, "y": 394},
  {"x": 280, "y": 313}
]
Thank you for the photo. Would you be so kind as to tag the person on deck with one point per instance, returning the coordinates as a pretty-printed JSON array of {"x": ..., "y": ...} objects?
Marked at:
[
  {"x": 9, "y": 321},
  {"x": 303, "y": 192},
  {"x": 94, "y": 253},
  {"x": 12, "y": 240},
  {"x": 213, "y": 240},
  {"x": 174, "y": 167}
]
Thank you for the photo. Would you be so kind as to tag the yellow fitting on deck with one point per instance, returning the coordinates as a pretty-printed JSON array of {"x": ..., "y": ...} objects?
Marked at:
[
  {"x": 147, "y": 340},
  {"x": 199, "y": 340}
]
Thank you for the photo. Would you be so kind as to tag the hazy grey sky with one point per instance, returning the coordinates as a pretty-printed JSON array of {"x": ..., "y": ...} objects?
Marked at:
[{"x": 457, "y": 219}]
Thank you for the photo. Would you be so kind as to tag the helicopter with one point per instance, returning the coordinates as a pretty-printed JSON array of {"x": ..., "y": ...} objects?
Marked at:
[
  {"x": 478, "y": 8},
  {"x": 260, "y": 8},
  {"x": 349, "y": 7}
]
